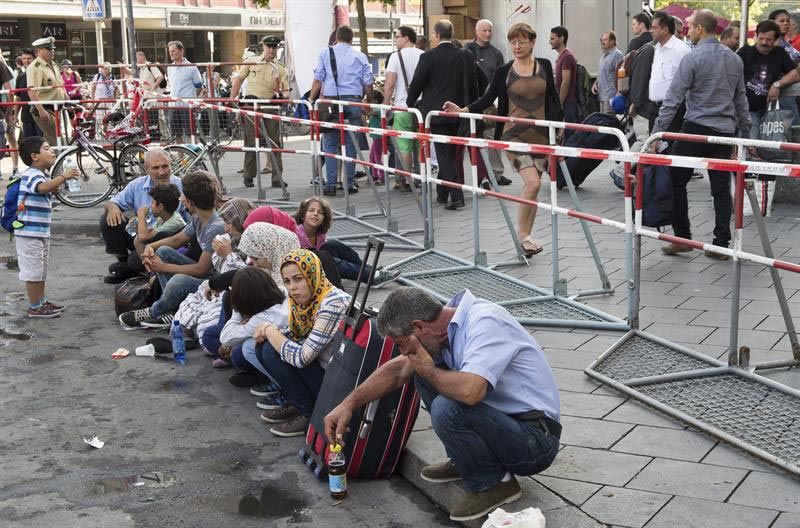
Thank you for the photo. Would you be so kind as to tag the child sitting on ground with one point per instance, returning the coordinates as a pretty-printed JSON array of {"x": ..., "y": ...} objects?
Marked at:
[
  {"x": 164, "y": 204},
  {"x": 255, "y": 299},
  {"x": 32, "y": 230}
]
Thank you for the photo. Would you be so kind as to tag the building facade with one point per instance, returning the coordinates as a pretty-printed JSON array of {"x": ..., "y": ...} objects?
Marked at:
[{"x": 235, "y": 24}]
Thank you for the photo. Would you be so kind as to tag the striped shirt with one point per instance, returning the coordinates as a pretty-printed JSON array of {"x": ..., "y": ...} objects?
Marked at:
[
  {"x": 36, "y": 207},
  {"x": 301, "y": 353}
]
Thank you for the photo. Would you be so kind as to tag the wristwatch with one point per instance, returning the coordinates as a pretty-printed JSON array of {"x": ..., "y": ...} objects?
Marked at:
[{"x": 776, "y": 84}]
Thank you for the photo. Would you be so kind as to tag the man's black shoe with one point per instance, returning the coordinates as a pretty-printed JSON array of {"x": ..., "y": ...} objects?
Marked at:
[
  {"x": 441, "y": 201},
  {"x": 352, "y": 190},
  {"x": 452, "y": 206},
  {"x": 117, "y": 276},
  {"x": 277, "y": 185},
  {"x": 502, "y": 180},
  {"x": 329, "y": 192},
  {"x": 117, "y": 266},
  {"x": 249, "y": 183}
]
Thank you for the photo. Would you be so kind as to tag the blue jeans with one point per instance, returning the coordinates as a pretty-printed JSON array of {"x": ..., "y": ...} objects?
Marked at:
[
  {"x": 175, "y": 286},
  {"x": 238, "y": 360},
  {"x": 570, "y": 116},
  {"x": 485, "y": 443},
  {"x": 347, "y": 260},
  {"x": 331, "y": 145},
  {"x": 301, "y": 385}
]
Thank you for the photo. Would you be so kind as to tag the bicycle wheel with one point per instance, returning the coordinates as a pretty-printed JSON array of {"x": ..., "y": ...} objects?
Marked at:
[
  {"x": 95, "y": 183},
  {"x": 183, "y": 159},
  {"x": 130, "y": 162}
]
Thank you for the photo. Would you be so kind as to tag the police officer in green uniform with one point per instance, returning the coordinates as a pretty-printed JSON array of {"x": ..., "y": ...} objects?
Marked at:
[
  {"x": 266, "y": 79},
  {"x": 44, "y": 73}
]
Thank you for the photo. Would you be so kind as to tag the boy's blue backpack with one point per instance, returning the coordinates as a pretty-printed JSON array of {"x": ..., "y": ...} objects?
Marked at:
[{"x": 10, "y": 204}]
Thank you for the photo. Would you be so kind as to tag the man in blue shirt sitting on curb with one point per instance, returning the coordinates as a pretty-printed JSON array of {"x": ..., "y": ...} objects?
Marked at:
[{"x": 492, "y": 397}]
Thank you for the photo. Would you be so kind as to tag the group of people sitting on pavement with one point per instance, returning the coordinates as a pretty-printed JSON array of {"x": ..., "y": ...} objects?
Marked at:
[
  {"x": 254, "y": 287},
  {"x": 260, "y": 290}
]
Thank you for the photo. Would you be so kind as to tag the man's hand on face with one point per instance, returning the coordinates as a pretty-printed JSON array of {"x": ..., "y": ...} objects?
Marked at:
[{"x": 411, "y": 348}]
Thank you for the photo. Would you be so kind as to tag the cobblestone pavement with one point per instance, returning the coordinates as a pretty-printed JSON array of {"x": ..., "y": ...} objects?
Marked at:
[{"x": 621, "y": 463}]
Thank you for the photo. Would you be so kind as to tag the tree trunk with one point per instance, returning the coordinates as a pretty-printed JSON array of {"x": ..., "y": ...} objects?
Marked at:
[{"x": 362, "y": 27}]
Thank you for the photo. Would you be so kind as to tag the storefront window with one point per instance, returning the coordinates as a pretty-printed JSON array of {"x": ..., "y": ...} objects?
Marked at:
[
  {"x": 83, "y": 48},
  {"x": 154, "y": 45}
]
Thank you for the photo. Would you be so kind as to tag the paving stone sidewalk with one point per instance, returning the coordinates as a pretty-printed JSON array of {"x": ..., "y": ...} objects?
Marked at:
[{"x": 621, "y": 463}]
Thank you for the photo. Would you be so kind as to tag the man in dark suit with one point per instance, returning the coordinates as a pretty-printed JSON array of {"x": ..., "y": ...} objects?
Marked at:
[{"x": 445, "y": 73}]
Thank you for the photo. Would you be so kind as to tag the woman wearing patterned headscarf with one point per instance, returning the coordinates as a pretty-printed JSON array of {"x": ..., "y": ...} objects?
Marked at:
[
  {"x": 266, "y": 245},
  {"x": 295, "y": 356},
  {"x": 233, "y": 212}
]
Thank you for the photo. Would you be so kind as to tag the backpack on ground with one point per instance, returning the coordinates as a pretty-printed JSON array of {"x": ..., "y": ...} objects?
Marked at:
[
  {"x": 11, "y": 206},
  {"x": 135, "y": 293},
  {"x": 377, "y": 433}
]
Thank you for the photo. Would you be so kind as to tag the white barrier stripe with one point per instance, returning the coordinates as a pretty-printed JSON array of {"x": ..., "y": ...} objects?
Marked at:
[{"x": 731, "y": 141}]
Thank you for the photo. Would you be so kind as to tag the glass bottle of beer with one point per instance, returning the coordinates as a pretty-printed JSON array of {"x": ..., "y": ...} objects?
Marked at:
[{"x": 337, "y": 472}]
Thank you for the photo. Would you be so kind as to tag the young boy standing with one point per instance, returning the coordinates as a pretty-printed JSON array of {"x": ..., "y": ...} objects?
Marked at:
[{"x": 34, "y": 213}]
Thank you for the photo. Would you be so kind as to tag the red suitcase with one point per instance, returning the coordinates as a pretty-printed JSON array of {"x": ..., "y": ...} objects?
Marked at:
[{"x": 379, "y": 432}]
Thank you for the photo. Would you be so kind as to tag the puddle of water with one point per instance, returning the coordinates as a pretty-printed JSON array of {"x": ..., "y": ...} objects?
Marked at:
[
  {"x": 9, "y": 263},
  {"x": 19, "y": 336},
  {"x": 17, "y": 296},
  {"x": 226, "y": 466},
  {"x": 174, "y": 385},
  {"x": 154, "y": 479},
  {"x": 274, "y": 503}
]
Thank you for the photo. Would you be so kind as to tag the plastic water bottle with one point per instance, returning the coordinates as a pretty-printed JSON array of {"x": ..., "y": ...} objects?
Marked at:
[
  {"x": 178, "y": 344},
  {"x": 133, "y": 226},
  {"x": 337, "y": 472},
  {"x": 73, "y": 185}
]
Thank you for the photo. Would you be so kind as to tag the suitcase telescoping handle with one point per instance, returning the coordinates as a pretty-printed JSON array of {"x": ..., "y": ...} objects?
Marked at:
[
  {"x": 352, "y": 316},
  {"x": 369, "y": 417}
]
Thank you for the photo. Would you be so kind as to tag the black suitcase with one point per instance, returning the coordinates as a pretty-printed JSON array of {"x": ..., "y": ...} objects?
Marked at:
[
  {"x": 580, "y": 168},
  {"x": 379, "y": 432}
]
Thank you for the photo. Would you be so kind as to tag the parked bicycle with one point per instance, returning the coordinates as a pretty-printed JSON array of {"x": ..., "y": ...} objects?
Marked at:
[{"x": 102, "y": 173}]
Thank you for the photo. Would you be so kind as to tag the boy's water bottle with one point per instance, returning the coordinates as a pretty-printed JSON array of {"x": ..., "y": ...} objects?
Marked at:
[
  {"x": 73, "y": 185},
  {"x": 178, "y": 344},
  {"x": 337, "y": 472},
  {"x": 132, "y": 226}
]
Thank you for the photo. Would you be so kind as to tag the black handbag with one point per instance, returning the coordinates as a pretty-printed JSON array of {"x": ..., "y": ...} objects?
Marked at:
[{"x": 326, "y": 111}]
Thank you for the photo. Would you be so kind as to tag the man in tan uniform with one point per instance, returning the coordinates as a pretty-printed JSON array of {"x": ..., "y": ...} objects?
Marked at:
[
  {"x": 43, "y": 72},
  {"x": 266, "y": 79}
]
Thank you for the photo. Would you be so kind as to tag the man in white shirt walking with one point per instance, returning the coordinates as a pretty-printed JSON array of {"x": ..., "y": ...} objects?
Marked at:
[
  {"x": 668, "y": 55},
  {"x": 398, "y": 76}
]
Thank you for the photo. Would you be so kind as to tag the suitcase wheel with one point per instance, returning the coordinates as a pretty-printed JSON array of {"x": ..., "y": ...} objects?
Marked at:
[
  {"x": 303, "y": 455},
  {"x": 310, "y": 463},
  {"x": 320, "y": 473}
]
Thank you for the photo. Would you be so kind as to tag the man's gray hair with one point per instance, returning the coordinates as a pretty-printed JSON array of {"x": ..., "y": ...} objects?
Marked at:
[
  {"x": 151, "y": 153},
  {"x": 403, "y": 306},
  {"x": 484, "y": 21}
]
